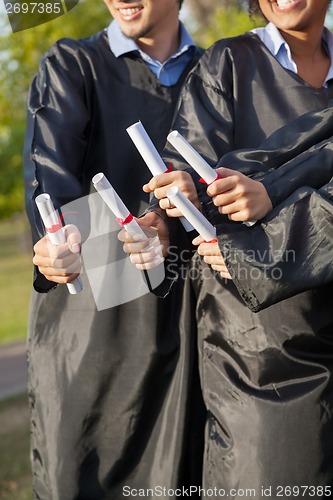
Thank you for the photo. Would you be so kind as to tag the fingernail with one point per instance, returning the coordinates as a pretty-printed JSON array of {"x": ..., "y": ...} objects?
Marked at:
[
  {"x": 157, "y": 260},
  {"x": 158, "y": 250},
  {"x": 75, "y": 248},
  {"x": 137, "y": 237}
]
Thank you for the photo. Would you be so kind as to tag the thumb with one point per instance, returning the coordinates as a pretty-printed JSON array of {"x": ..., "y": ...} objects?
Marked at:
[
  {"x": 150, "y": 219},
  {"x": 225, "y": 172},
  {"x": 73, "y": 238},
  {"x": 154, "y": 224}
]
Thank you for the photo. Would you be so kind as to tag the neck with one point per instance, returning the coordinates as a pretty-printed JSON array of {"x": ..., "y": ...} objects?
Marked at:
[
  {"x": 308, "y": 53},
  {"x": 161, "y": 45},
  {"x": 304, "y": 45}
]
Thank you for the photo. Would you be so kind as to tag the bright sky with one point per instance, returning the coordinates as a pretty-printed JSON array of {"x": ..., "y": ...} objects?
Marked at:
[{"x": 4, "y": 23}]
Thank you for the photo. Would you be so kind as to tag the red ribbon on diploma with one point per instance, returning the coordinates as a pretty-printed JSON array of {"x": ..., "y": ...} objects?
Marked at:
[
  {"x": 55, "y": 227},
  {"x": 122, "y": 222},
  {"x": 204, "y": 182}
]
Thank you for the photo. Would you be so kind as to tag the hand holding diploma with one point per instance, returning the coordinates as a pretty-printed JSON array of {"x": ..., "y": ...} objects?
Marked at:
[
  {"x": 57, "y": 255},
  {"x": 134, "y": 236},
  {"x": 211, "y": 254},
  {"x": 163, "y": 177},
  {"x": 207, "y": 244},
  {"x": 160, "y": 184},
  {"x": 243, "y": 200},
  {"x": 148, "y": 253}
]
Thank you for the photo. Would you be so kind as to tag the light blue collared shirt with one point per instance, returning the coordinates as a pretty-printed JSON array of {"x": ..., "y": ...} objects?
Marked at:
[
  {"x": 167, "y": 72},
  {"x": 277, "y": 45}
]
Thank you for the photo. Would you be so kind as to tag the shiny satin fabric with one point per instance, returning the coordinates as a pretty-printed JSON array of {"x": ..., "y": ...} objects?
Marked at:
[
  {"x": 110, "y": 402},
  {"x": 289, "y": 158},
  {"x": 114, "y": 395},
  {"x": 268, "y": 390},
  {"x": 266, "y": 375}
]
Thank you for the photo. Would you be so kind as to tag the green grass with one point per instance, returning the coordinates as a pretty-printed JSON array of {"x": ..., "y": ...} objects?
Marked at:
[
  {"x": 15, "y": 289},
  {"x": 15, "y": 279},
  {"x": 15, "y": 469}
]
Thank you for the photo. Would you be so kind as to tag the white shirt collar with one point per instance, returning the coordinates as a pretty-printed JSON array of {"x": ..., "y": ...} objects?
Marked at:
[{"x": 277, "y": 45}]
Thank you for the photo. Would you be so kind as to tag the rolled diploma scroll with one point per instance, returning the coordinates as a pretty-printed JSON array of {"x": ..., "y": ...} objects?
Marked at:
[
  {"x": 150, "y": 155},
  {"x": 119, "y": 209},
  {"x": 192, "y": 214},
  {"x": 116, "y": 205},
  {"x": 146, "y": 148},
  {"x": 206, "y": 172},
  {"x": 51, "y": 220}
]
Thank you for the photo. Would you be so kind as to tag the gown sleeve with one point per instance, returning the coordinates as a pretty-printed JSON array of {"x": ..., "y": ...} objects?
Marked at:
[
  {"x": 289, "y": 252},
  {"x": 298, "y": 154},
  {"x": 55, "y": 141}
]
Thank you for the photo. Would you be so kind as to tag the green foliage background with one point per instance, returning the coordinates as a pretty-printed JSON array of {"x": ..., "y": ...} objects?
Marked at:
[
  {"x": 20, "y": 54},
  {"x": 226, "y": 22}
]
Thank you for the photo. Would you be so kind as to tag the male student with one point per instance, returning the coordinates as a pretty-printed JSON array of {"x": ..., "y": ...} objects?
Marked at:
[{"x": 112, "y": 392}]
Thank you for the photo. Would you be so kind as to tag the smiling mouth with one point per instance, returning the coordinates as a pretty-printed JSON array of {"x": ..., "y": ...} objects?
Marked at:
[
  {"x": 130, "y": 11},
  {"x": 284, "y": 4}
]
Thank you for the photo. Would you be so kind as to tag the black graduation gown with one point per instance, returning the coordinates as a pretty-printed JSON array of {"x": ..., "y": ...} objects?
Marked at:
[
  {"x": 111, "y": 391},
  {"x": 266, "y": 376}
]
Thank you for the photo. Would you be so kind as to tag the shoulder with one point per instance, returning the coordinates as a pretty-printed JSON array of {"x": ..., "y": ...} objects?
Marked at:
[
  {"x": 68, "y": 49},
  {"x": 232, "y": 49},
  {"x": 228, "y": 54},
  {"x": 217, "y": 67},
  {"x": 74, "y": 60},
  {"x": 67, "y": 64}
]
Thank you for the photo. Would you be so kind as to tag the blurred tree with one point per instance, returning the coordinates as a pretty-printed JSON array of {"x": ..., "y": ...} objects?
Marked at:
[
  {"x": 213, "y": 22},
  {"x": 20, "y": 54},
  {"x": 203, "y": 10}
]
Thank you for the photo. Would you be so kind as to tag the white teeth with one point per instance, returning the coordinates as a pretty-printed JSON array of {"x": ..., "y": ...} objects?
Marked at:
[
  {"x": 284, "y": 3},
  {"x": 129, "y": 12}
]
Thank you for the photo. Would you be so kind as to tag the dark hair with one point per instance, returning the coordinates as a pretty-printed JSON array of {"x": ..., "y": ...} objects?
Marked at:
[
  {"x": 180, "y": 3},
  {"x": 254, "y": 8}
]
